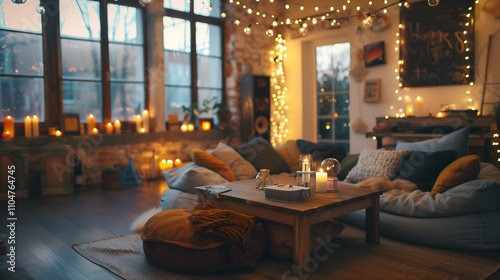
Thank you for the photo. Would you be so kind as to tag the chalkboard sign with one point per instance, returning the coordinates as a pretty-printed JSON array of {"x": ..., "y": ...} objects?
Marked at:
[{"x": 437, "y": 44}]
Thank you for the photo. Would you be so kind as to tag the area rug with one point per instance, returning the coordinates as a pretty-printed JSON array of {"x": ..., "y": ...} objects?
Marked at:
[{"x": 347, "y": 257}]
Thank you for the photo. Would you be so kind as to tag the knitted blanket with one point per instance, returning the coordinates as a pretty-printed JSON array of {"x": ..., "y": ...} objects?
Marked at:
[{"x": 232, "y": 228}]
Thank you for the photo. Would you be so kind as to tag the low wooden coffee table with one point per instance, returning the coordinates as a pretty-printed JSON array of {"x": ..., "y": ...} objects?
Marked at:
[{"x": 319, "y": 207}]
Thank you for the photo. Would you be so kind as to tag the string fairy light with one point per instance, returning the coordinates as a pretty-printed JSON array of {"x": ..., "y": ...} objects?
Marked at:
[{"x": 279, "y": 120}]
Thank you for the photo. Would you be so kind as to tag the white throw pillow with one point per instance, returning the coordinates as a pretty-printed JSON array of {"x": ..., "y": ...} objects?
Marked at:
[
  {"x": 186, "y": 177},
  {"x": 242, "y": 169},
  {"x": 376, "y": 163}
]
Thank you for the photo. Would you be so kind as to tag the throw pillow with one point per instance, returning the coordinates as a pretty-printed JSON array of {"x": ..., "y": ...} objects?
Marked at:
[
  {"x": 169, "y": 242},
  {"x": 320, "y": 151},
  {"x": 346, "y": 165},
  {"x": 261, "y": 155},
  {"x": 423, "y": 168},
  {"x": 211, "y": 162},
  {"x": 242, "y": 169},
  {"x": 290, "y": 152},
  {"x": 463, "y": 169},
  {"x": 458, "y": 140},
  {"x": 376, "y": 163},
  {"x": 184, "y": 178}
]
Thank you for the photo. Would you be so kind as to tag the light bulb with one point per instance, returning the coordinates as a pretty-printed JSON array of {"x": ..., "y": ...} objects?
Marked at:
[
  {"x": 367, "y": 22},
  {"x": 303, "y": 31},
  {"x": 433, "y": 3},
  {"x": 223, "y": 15},
  {"x": 248, "y": 29},
  {"x": 40, "y": 9},
  {"x": 331, "y": 166},
  {"x": 270, "y": 32}
]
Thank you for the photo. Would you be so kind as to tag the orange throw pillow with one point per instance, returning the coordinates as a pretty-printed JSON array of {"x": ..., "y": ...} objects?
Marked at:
[
  {"x": 461, "y": 170},
  {"x": 211, "y": 162}
]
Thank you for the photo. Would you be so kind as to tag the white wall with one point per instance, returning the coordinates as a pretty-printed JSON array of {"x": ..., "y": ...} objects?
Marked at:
[{"x": 300, "y": 76}]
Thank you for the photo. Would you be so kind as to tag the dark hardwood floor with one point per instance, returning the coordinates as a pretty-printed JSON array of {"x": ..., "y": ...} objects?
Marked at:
[{"x": 48, "y": 226}]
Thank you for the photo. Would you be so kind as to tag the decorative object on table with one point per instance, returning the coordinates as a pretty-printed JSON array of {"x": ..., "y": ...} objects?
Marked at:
[
  {"x": 263, "y": 179},
  {"x": 332, "y": 167},
  {"x": 306, "y": 174},
  {"x": 130, "y": 175},
  {"x": 110, "y": 176},
  {"x": 71, "y": 124},
  {"x": 284, "y": 192}
]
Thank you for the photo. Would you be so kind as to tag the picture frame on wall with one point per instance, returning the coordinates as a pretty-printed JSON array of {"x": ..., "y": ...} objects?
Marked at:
[
  {"x": 71, "y": 124},
  {"x": 372, "y": 91},
  {"x": 374, "y": 54}
]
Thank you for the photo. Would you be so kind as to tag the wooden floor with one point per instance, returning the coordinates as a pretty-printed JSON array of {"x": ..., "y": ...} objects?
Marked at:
[{"x": 48, "y": 226}]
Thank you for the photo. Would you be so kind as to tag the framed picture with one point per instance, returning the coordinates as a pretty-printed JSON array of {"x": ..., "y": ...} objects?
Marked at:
[
  {"x": 71, "y": 124},
  {"x": 372, "y": 91},
  {"x": 374, "y": 54}
]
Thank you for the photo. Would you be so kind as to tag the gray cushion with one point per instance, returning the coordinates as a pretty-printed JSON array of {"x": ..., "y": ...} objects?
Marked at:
[
  {"x": 458, "y": 141},
  {"x": 261, "y": 154},
  {"x": 186, "y": 177}
]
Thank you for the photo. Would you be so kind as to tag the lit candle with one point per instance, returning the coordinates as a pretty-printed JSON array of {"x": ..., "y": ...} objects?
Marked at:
[
  {"x": 419, "y": 106},
  {"x": 95, "y": 131},
  {"x": 8, "y": 125},
  {"x": 184, "y": 127},
  {"x": 163, "y": 165},
  {"x": 27, "y": 127},
  {"x": 440, "y": 115},
  {"x": 90, "y": 123},
  {"x": 409, "y": 110},
  {"x": 206, "y": 125},
  {"x": 58, "y": 133},
  {"x": 170, "y": 164},
  {"x": 306, "y": 167},
  {"x": 138, "y": 123},
  {"x": 321, "y": 179},
  {"x": 145, "y": 120},
  {"x": 109, "y": 128},
  {"x": 6, "y": 134},
  {"x": 143, "y": 130},
  {"x": 190, "y": 127},
  {"x": 35, "y": 126},
  {"x": 118, "y": 127},
  {"x": 177, "y": 162}
]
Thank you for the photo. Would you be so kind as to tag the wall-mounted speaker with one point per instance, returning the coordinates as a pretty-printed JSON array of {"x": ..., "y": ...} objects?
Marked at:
[{"x": 256, "y": 107}]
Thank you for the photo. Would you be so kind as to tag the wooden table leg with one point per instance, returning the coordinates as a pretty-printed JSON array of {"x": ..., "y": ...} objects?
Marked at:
[
  {"x": 302, "y": 233},
  {"x": 372, "y": 222}
]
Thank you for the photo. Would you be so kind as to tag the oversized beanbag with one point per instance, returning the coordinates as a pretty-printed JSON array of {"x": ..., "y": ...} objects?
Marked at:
[{"x": 169, "y": 241}]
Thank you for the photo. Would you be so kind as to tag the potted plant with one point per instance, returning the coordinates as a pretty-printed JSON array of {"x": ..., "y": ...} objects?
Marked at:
[
  {"x": 110, "y": 176},
  {"x": 223, "y": 114}
]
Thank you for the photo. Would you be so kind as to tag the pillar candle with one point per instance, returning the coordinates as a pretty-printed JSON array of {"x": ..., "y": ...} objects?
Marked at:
[
  {"x": 118, "y": 127},
  {"x": 321, "y": 179},
  {"x": 184, "y": 127},
  {"x": 163, "y": 165},
  {"x": 109, "y": 128},
  {"x": 35, "y": 126},
  {"x": 90, "y": 123},
  {"x": 170, "y": 164},
  {"x": 306, "y": 167},
  {"x": 419, "y": 106},
  {"x": 27, "y": 127},
  {"x": 145, "y": 120},
  {"x": 409, "y": 110},
  {"x": 8, "y": 126},
  {"x": 138, "y": 123},
  {"x": 190, "y": 127}
]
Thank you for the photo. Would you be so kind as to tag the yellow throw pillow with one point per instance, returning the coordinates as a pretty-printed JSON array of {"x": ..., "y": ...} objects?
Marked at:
[
  {"x": 211, "y": 162},
  {"x": 461, "y": 170}
]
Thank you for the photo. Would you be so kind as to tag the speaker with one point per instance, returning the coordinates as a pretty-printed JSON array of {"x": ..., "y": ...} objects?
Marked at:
[{"x": 256, "y": 107}]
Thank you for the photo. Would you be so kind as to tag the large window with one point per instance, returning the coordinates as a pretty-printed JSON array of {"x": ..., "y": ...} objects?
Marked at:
[
  {"x": 192, "y": 33},
  {"x": 21, "y": 61}
]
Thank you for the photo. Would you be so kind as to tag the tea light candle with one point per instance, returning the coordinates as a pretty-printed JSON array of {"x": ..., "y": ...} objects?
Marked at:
[
  {"x": 6, "y": 134},
  {"x": 138, "y": 123},
  {"x": 8, "y": 126},
  {"x": 27, "y": 127},
  {"x": 109, "y": 128},
  {"x": 145, "y": 120},
  {"x": 35, "y": 126},
  {"x": 143, "y": 130},
  {"x": 90, "y": 123},
  {"x": 58, "y": 133},
  {"x": 184, "y": 127},
  {"x": 409, "y": 110},
  {"x": 177, "y": 162},
  {"x": 170, "y": 164},
  {"x": 440, "y": 115},
  {"x": 206, "y": 125},
  {"x": 321, "y": 179},
  {"x": 118, "y": 127},
  {"x": 94, "y": 131},
  {"x": 190, "y": 127},
  {"x": 163, "y": 165}
]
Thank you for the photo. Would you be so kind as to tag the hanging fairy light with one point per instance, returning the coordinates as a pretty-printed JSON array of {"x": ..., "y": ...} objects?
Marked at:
[
  {"x": 433, "y": 3},
  {"x": 367, "y": 21},
  {"x": 270, "y": 32},
  {"x": 248, "y": 29}
]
